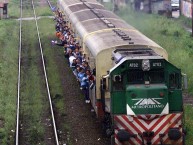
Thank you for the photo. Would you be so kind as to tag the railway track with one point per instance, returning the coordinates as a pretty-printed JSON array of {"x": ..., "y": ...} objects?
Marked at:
[{"x": 35, "y": 116}]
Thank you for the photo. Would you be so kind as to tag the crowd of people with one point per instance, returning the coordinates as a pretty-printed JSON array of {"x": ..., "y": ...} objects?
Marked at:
[{"x": 72, "y": 51}]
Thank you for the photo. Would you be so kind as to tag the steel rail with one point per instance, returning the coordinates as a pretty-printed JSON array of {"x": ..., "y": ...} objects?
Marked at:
[
  {"x": 19, "y": 76},
  {"x": 46, "y": 78}
]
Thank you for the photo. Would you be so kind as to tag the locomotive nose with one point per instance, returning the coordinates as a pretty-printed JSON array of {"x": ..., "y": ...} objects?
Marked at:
[{"x": 141, "y": 99}]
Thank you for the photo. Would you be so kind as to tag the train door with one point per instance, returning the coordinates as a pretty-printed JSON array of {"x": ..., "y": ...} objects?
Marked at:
[{"x": 175, "y": 89}]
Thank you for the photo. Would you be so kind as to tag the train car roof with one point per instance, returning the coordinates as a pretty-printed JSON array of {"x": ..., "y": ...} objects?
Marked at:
[{"x": 101, "y": 29}]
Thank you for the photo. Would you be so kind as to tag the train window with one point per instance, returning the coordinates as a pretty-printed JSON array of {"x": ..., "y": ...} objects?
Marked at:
[
  {"x": 136, "y": 77},
  {"x": 174, "y": 80},
  {"x": 156, "y": 76},
  {"x": 139, "y": 77},
  {"x": 117, "y": 83}
]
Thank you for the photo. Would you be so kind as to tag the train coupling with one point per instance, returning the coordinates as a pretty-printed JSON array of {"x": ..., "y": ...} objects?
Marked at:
[{"x": 148, "y": 135}]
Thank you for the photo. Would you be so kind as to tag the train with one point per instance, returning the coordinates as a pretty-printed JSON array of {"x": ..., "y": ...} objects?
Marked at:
[{"x": 138, "y": 92}]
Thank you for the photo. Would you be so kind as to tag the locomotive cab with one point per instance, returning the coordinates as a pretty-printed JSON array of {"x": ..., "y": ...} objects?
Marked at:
[{"x": 144, "y": 84}]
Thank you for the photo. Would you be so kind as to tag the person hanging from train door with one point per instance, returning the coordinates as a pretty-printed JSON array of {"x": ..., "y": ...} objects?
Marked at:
[
  {"x": 91, "y": 79},
  {"x": 85, "y": 65},
  {"x": 61, "y": 42},
  {"x": 71, "y": 59},
  {"x": 84, "y": 83}
]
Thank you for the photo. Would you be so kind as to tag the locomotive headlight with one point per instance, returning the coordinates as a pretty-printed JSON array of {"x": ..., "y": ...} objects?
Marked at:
[
  {"x": 145, "y": 65},
  {"x": 161, "y": 94},
  {"x": 117, "y": 78},
  {"x": 123, "y": 135},
  {"x": 174, "y": 134}
]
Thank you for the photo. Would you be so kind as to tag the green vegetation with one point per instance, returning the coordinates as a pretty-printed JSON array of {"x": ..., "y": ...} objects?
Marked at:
[
  {"x": 8, "y": 79},
  {"x": 189, "y": 124},
  {"x": 42, "y": 8},
  {"x": 185, "y": 21},
  {"x": 44, "y": 12},
  {"x": 31, "y": 87},
  {"x": 13, "y": 9},
  {"x": 56, "y": 89},
  {"x": 33, "y": 93}
]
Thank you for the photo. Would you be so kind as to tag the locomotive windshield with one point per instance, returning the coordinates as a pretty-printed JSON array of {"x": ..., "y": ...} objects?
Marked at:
[{"x": 139, "y": 76}]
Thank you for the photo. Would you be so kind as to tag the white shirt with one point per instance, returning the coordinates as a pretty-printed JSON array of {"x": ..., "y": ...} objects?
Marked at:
[{"x": 71, "y": 58}]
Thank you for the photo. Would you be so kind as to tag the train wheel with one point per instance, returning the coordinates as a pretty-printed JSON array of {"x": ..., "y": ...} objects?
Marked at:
[
  {"x": 107, "y": 125},
  {"x": 112, "y": 139},
  {"x": 184, "y": 136},
  {"x": 183, "y": 140}
]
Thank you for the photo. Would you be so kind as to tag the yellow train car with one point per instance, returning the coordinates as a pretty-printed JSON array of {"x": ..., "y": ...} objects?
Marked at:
[{"x": 101, "y": 32}]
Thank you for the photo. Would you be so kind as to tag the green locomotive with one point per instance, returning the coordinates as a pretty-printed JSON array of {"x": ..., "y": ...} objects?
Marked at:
[
  {"x": 146, "y": 98},
  {"x": 149, "y": 84}
]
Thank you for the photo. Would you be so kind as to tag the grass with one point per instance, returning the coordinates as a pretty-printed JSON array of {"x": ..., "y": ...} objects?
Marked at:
[
  {"x": 9, "y": 29},
  {"x": 189, "y": 124},
  {"x": 13, "y": 9},
  {"x": 47, "y": 34},
  {"x": 185, "y": 21},
  {"x": 45, "y": 10},
  {"x": 33, "y": 93},
  {"x": 8, "y": 79}
]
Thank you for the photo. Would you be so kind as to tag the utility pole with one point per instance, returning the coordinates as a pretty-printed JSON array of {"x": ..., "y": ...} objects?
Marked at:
[
  {"x": 180, "y": 5},
  {"x": 115, "y": 6},
  {"x": 150, "y": 10}
]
